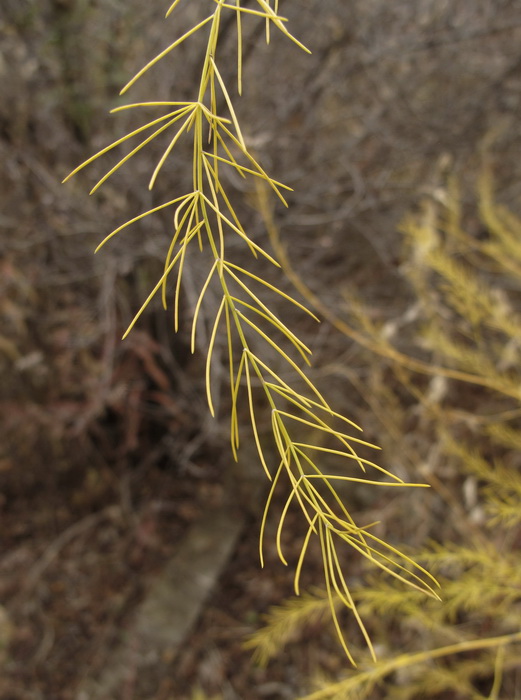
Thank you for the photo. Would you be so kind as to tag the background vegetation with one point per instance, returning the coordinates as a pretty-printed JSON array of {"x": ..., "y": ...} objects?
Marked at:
[{"x": 107, "y": 457}]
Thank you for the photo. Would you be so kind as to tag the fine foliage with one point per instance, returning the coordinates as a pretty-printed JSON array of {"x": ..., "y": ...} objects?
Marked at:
[{"x": 206, "y": 218}]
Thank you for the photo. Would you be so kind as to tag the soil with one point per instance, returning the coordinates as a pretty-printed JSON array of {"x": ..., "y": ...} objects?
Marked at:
[{"x": 108, "y": 456}]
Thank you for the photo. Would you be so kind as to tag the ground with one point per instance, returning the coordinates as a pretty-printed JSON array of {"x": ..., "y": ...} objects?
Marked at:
[{"x": 109, "y": 457}]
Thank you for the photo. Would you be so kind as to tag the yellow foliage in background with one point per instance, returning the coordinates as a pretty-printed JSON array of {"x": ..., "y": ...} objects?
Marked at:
[{"x": 463, "y": 330}]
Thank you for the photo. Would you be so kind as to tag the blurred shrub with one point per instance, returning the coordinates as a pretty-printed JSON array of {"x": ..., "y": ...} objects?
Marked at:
[{"x": 462, "y": 430}]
